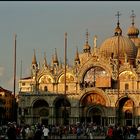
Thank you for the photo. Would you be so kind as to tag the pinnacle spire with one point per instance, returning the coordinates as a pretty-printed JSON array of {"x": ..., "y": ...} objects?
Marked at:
[
  {"x": 77, "y": 55},
  {"x": 34, "y": 58},
  {"x": 55, "y": 59},
  {"x": 45, "y": 60}
]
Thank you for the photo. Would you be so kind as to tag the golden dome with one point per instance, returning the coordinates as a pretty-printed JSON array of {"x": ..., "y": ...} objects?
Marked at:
[
  {"x": 133, "y": 31},
  {"x": 126, "y": 46}
]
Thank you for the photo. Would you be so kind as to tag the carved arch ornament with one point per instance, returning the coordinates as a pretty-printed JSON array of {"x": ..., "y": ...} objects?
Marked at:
[
  {"x": 93, "y": 98},
  {"x": 45, "y": 79},
  {"x": 69, "y": 78},
  {"x": 127, "y": 76}
]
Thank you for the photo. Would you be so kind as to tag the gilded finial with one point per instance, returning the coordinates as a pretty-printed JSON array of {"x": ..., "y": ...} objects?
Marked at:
[
  {"x": 133, "y": 16},
  {"x": 87, "y": 36}
]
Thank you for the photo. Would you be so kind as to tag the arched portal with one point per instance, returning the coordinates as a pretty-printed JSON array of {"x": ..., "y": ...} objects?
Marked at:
[
  {"x": 93, "y": 108},
  {"x": 94, "y": 115},
  {"x": 40, "y": 112},
  {"x": 62, "y": 110},
  {"x": 125, "y": 111}
]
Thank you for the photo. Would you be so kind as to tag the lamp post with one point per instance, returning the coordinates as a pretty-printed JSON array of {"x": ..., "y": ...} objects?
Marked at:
[{"x": 14, "y": 113}]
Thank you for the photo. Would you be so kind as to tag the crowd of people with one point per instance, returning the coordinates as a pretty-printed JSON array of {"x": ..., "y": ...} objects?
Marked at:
[{"x": 13, "y": 131}]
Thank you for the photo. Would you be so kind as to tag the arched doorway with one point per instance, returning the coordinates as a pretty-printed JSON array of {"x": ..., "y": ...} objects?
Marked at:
[
  {"x": 92, "y": 108},
  {"x": 40, "y": 112},
  {"x": 94, "y": 114},
  {"x": 62, "y": 110},
  {"x": 125, "y": 111}
]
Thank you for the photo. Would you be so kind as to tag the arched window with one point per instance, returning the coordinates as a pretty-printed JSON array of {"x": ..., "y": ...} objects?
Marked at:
[
  {"x": 19, "y": 110},
  {"x": 126, "y": 86},
  {"x": 45, "y": 88},
  {"x": 94, "y": 76},
  {"x": 66, "y": 87},
  {"x": 128, "y": 114}
]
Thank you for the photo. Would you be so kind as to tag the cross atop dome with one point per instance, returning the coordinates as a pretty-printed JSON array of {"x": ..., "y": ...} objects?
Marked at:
[
  {"x": 118, "y": 30},
  {"x": 118, "y": 16}
]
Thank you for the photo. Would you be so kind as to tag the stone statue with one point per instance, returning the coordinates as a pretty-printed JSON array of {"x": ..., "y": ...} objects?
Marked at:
[{"x": 95, "y": 41}]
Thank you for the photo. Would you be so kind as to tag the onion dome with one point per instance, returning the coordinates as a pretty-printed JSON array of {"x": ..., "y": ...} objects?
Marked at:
[
  {"x": 126, "y": 46},
  {"x": 118, "y": 30},
  {"x": 133, "y": 32},
  {"x": 119, "y": 44}
]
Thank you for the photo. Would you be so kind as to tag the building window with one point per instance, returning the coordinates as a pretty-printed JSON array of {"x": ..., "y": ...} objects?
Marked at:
[
  {"x": 128, "y": 114},
  {"x": 19, "y": 111},
  {"x": 66, "y": 87},
  {"x": 45, "y": 88},
  {"x": 126, "y": 86},
  {"x": 23, "y": 84}
]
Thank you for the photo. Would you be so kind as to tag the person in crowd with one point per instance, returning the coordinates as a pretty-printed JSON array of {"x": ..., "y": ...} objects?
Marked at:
[
  {"x": 61, "y": 132},
  {"x": 109, "y": 135},
  {"x": 45, "y": 132},
  {"x": 38, "y": 133},
  {"x": 133, "y": 132},
  {"x": 138, "y": 130},
  {"x": 126, "y": 132},
  {"x": 11, "y": 132}
]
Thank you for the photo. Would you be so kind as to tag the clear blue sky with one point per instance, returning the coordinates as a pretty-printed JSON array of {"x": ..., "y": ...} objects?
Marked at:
[{"x": 41, "y": 26}]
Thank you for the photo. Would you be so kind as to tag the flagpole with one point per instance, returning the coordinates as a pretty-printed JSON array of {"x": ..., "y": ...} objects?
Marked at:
[
  {"x": 65, "y": 59},
  {"x": 15, "y": 36},
  {"x": 65, "y": 63},
  {"x": 14, "y": 113}
]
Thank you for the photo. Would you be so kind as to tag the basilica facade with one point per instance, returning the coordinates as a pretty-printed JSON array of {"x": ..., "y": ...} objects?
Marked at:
[{"x": 102, "y": 86}]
